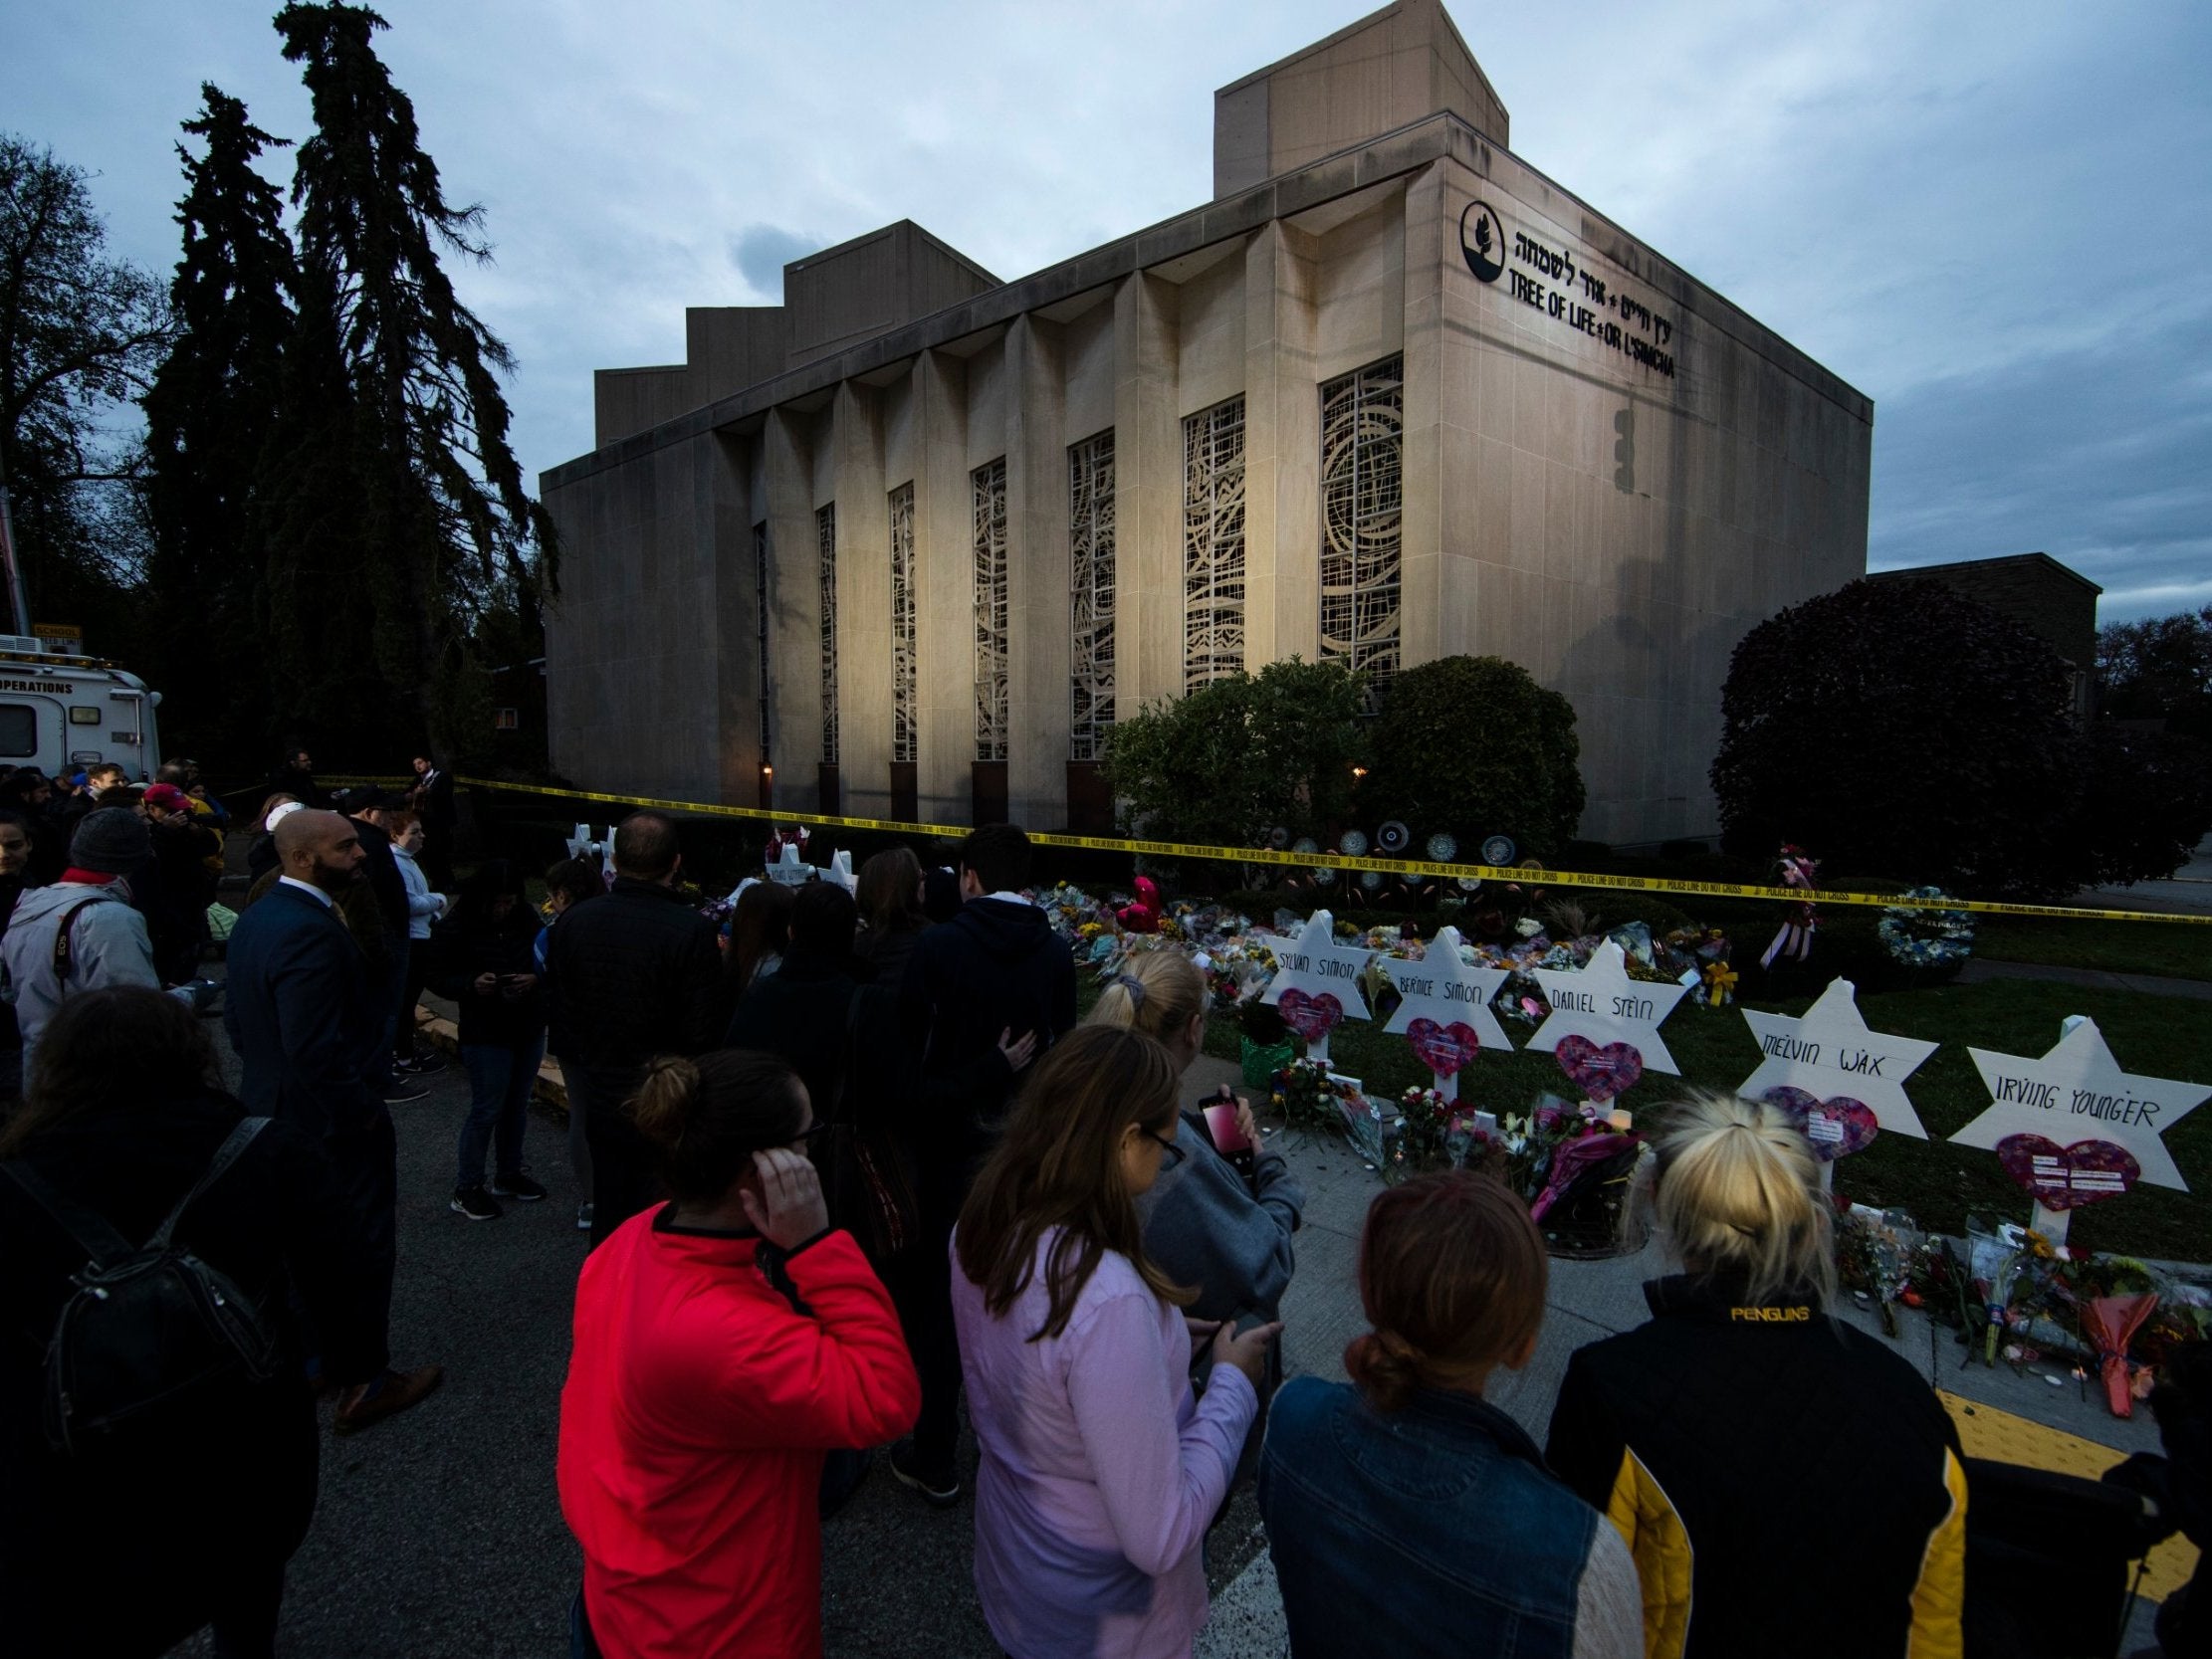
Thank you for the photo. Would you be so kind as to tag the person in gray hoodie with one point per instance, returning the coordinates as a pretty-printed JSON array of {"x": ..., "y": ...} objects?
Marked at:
[
  {"x": 1217, "y": 1220},
  {"x": 80, "y": 933},
  {"x": 1207, "y": 1223}
]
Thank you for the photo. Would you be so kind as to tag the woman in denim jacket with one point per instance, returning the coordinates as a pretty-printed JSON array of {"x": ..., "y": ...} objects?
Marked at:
[{"x": 1406, "y": 1514}]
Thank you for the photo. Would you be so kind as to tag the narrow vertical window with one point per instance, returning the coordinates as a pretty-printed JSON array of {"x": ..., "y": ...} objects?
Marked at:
[
  {"x": 1090, "y": 488},
  {"x": 1363, "y": 499},
  {"x": 905, "y": 725},
  {"x": 1214, "y": 543},
  {"x": 825, "y": 538},
  {"x": 760, "y": 628},
  {"x": 989, "y": 488}
]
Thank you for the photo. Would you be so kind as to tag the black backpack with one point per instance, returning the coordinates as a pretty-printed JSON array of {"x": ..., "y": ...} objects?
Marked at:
[{"x": 150, "y": 1329}]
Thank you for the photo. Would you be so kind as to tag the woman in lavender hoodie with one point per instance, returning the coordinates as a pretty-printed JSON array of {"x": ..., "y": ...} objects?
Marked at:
[{"x": 1100, "y": 1471}]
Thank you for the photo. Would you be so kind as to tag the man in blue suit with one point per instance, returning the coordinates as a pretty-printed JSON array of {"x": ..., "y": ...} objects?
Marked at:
[{"x": 297, "y": 1006}]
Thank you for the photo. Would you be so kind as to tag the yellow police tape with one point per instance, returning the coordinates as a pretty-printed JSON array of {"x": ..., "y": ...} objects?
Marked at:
[{"x": 1331, "y": 861}]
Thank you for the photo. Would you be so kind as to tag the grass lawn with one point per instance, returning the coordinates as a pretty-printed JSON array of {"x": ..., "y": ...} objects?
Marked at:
[
  {"x": 1939, "y": 1183},
  {"x": 2178, "y": 952}
]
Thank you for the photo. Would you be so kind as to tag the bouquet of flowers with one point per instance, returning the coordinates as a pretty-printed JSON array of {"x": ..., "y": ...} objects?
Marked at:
[
  {"x": 1874, "y": 1253},
  {"x": 1427, "y": 1117},
  {"x": 1310, "y": 1095},
  {"x": 1303, "y": 1094}
]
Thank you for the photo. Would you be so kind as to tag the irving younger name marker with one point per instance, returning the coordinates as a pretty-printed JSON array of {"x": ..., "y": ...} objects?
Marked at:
[{"x": 2080, "y": 1080}]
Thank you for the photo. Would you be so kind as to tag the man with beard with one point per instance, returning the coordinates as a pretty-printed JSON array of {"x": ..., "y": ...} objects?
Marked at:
[{"x": 299, "y": 1009}]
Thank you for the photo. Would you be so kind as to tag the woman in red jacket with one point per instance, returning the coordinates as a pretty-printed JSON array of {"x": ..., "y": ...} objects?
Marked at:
[{"x": 724, "y": 1342}]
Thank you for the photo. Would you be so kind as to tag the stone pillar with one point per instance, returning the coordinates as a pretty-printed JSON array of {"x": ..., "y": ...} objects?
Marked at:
[
  {"x": 941, "y": 541},
  {"x": 1421, "y": 596},
  {"x": 1148, "y": 496},
  {"x": 794, "y": 609},
  {"x": 863, "y": 602},
  {"x": 1270, "y": 541},
  {"x": 1282, "y": 449},
  {"x": 736, "y": 709},
  {"x": 1037, "y": 576}
]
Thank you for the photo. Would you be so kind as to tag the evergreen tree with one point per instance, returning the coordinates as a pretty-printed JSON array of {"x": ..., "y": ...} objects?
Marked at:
[
  {"x": 209, "y": 415},
  {"x": 403, "y": 510}
]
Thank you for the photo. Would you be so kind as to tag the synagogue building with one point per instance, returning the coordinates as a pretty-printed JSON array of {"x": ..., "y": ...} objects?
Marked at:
[{"x": 906, "y": 544}]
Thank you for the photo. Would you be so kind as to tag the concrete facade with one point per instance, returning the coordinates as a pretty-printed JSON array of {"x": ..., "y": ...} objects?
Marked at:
[{"x": 1393, "y": 394}]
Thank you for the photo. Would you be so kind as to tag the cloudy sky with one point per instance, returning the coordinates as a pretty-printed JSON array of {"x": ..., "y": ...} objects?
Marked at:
[{"x": 1995, "y": 220}]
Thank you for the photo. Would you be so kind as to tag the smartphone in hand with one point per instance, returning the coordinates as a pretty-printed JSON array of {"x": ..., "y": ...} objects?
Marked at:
[{"x": 1227, "y": 1139}]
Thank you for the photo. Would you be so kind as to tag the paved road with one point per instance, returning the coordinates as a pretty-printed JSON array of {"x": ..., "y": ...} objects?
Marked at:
[{"x": 439, "y": 1533}]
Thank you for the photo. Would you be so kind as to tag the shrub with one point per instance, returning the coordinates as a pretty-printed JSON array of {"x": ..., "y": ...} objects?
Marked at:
[
  {"x": 1904, "y": 727},
  {"x": 1474, "y": 746},
  {"x": 1240, "y": 756},
  {"x": 2146, "y": 802}
]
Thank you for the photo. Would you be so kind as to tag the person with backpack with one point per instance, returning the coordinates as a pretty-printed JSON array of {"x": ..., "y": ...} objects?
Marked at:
[
  {"x": 144, "y": 1510},
  {"x": 82, "y": 933}
]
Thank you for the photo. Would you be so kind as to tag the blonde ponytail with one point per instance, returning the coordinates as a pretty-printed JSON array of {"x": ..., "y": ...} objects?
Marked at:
[
  {"x": 1738, "y": 1193},
  {"x": 1157, "y": 993}
]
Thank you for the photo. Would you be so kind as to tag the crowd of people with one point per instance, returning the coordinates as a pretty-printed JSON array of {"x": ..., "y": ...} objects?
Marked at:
[{"x": 853, "y": 1167}]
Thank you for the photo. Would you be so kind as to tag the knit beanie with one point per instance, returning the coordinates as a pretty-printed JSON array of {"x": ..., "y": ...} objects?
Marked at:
[{"x": 110, "y": 842}]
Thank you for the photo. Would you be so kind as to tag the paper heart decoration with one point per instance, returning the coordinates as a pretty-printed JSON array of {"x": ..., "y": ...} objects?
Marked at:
[
  {"x": 1444, "y": 1049},
  {"x": 1837, "y": 1128},
  {"x": 2067, "y": 1177},
  {"x": 1309, "y": 1016},
  {"x": 1600, "y": 1072}
]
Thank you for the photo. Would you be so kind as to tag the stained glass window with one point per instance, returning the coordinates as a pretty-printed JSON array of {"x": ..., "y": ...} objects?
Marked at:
[
  {"x": 1363, "y": 428},
  {"x": 1090, "y": 474},
  {"x": 825, "y": 537},
  {"x": 904, "y": 722},
  {"x": 1214, "y": 543}
]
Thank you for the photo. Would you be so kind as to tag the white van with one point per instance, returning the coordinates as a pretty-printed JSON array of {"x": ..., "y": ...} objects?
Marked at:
[{"x": 60, "y": 712}]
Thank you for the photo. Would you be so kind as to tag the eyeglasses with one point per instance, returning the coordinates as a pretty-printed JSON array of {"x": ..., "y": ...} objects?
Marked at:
[
  {"x": 1171, "y": 1153},
  {"x": 811, "y": 1138}
]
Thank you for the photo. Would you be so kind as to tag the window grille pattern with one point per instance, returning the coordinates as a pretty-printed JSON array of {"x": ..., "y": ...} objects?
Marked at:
[
  {"x": 1362, "y": 432},
  {"x": 761, "y": 627},
  {"x": 990, "y": 489},
  {"x": 1214, "y": 543},
  {"x": 905, "y": 722},
  {"x": 1090, "y": 486},
  {"x": 825, "y": 540}
]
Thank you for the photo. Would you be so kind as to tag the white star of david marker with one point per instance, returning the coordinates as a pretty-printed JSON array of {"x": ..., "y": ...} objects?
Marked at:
[
  {"x": 2078, "y": 1092},
  {"x": 1445, "y": 989},
  {"x": 1314, "y": 962},
  {"x": 1603, "y": 1003},
  {"x": 1826, "y": 1051}
]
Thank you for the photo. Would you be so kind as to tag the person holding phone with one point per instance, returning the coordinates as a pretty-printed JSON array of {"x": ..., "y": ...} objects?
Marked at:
[
  {"x": 1101, "y": 1469},
  {"x": 1221, "y": 1214},
  {"x": 484, "y": 957}
]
